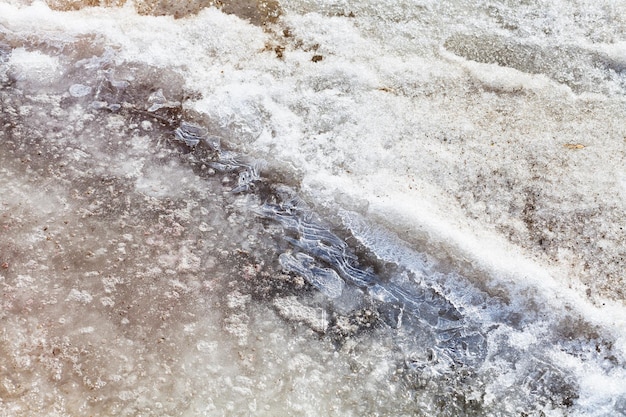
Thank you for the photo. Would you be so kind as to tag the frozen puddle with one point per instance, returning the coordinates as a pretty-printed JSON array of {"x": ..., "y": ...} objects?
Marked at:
[{"x": 151, "y": 264}]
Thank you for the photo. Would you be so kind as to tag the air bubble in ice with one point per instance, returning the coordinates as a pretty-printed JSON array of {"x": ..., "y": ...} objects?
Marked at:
[
  {"x": 250, "y": 175},
  {"x": 79, "y": 90}
]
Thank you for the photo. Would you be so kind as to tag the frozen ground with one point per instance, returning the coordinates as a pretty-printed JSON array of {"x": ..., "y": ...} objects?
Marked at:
[
  {"x": 437, "y": 228},
  {"x": 135, "y": 283}
]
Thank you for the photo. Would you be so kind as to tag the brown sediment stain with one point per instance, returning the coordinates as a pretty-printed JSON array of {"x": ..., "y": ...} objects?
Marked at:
[
  {"x": 574, "y": 146},
  {"x": 258, "y": 12},
  {"x": 65, "y": 5}
]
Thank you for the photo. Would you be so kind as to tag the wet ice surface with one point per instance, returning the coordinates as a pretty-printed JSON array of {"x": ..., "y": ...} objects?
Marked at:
[
  {"x": 153, "y": 264},
  {"x": 130, "y": 274}
]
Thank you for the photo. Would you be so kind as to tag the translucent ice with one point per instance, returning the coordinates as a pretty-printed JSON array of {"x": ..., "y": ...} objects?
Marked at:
[
  {"x": 324, "y": 279},
  {"x": 158, "y": 101},
  {"x": 427, "y": 310},
  {"x": 79, "y": 90},
  {"x": 248, "y": 172},
  {"x": 248, "y": 177},
  {"x": 188, "y": 133},
  {"x": 472, "y": 130}
]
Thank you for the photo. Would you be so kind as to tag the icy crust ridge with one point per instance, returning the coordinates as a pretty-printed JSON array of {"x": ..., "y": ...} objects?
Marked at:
[
  {"x": 329, "y": 264},
  {"x": 438, "y": 340}
]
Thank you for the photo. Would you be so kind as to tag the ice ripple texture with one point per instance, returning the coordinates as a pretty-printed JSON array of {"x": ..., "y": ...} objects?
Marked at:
[
  {"x": 448, "y": 344},
  {"x": 329, "y": 264}
]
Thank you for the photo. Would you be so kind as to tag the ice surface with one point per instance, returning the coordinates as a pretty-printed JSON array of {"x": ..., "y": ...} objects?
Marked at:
[
  {"x": 324, "y": 279},
  {"x": 79, "y": 90},
  {"x": 317, "y": 242},
  {"x": 460, "y": 251},
  {"x": 187, "y": 133}
]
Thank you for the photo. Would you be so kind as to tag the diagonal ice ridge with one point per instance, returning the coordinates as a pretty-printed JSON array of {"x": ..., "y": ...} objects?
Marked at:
[
  {"x": 325, "y": 261},
  {"x": 438, "y": 336},
  {"x": 385, "y": 245}
]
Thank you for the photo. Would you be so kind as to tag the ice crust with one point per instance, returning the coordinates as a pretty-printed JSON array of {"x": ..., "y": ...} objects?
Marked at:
[
  {"x": 455, "y": 341},
  {"x": 462, "y": 249}
]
